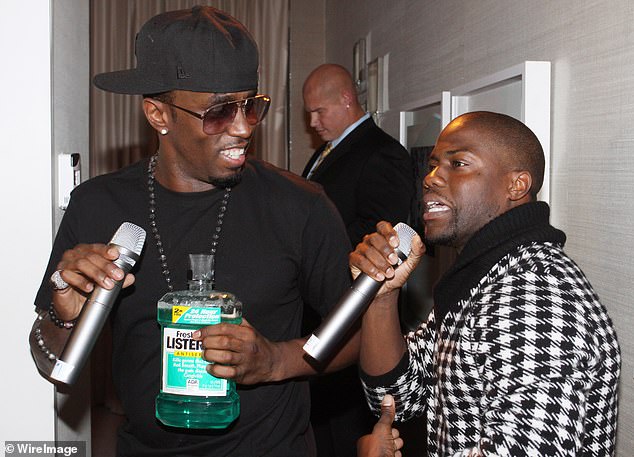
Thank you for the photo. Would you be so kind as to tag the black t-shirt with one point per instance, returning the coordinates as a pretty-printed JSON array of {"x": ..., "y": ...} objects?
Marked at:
[{"x": 282, "y": 245}]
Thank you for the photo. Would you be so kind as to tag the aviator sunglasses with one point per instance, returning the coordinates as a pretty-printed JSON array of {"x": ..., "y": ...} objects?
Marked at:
[{"x": 217, "y": 117}]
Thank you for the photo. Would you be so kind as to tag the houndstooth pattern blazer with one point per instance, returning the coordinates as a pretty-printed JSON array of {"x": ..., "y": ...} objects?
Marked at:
[{"x": 528, "y": 365}]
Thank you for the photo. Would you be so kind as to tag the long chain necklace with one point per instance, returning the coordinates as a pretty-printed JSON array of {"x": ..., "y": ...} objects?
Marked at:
[{"x": 157, "y": 237}]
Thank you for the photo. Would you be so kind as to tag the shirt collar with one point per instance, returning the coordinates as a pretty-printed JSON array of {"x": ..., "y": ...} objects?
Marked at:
[{"x": 350, "y": 128}]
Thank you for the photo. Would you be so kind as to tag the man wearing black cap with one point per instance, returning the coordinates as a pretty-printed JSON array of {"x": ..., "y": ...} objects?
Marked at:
[{"x": 278, "y": 244}]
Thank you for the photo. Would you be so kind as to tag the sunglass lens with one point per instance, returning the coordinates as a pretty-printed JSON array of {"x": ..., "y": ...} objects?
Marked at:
[
  {"x": 255, "y": 109},
  {"x": 217, "y": 118},
  {"x": 250, "y": 110}
]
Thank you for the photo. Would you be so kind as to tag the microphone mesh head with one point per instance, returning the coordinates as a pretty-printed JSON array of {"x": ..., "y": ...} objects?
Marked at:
[
  {"x": 129, "y": 236},
  {"x": 405, "y": 235}
]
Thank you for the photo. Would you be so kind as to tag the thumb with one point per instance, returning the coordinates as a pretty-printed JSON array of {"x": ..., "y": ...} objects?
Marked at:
[
  {"x": 388, "y": 411},
  {"x": 409, "y": 265},
  {"x": 355, "y": 271},
  {"x": 416, "y": 252}
]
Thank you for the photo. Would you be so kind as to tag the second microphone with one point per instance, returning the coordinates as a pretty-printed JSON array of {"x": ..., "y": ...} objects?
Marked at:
[{"x": 322, "y": 343}]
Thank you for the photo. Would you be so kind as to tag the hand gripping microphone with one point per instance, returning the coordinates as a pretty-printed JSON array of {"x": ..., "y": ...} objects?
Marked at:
[
  {"x": 129, "y": 240},
  {"x": 352, "y": 304}
]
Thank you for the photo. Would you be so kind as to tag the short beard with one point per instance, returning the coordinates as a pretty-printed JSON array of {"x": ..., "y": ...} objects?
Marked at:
[
  {"x": 227, "y": 181},
  {"x": 449, "y": 238}
]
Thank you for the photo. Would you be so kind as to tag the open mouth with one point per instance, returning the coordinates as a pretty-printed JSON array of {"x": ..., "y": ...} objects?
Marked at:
[
  {"x": 435, "y": 207},
  {"x": 233, "y": 153}
]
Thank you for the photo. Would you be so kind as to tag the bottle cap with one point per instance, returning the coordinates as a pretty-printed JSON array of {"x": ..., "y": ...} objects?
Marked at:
[{"x": 201, "y": 265}]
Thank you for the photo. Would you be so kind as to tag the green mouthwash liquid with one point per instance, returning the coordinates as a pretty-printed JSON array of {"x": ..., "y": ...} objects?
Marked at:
[{"x": 190, "y": 397}]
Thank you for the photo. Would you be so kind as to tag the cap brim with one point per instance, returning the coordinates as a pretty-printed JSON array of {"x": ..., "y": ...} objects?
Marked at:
[
  {"x": 135, "y": 82},
  {"x": 129, "y": 82}
]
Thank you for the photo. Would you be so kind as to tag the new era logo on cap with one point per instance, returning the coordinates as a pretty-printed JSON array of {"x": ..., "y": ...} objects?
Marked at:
[{"x": 182, "y": 74}]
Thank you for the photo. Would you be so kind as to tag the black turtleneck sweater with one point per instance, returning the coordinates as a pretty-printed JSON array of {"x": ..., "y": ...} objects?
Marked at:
[{"x": 522, "y": 225}]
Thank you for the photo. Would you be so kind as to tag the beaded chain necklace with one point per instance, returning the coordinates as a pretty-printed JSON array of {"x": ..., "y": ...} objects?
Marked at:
[{"x": 157, "y": 237}]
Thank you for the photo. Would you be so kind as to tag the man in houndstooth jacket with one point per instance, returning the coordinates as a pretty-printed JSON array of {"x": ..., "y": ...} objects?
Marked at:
[{"x": 518, "y": 356}]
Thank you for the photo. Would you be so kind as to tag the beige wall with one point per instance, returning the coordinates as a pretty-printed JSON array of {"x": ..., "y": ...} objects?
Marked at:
[
  {"x": 436, "y": 45},
  {"x": 307, "y": 50}
]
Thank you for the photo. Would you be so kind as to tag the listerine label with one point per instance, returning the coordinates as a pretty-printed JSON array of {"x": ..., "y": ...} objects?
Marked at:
[
  {"x": 195, "y": 315},
  {"x": 184, "y": 368}
]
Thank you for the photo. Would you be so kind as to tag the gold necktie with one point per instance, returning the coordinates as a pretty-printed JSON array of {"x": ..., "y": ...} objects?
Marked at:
[{"x": 321, "y": 158}]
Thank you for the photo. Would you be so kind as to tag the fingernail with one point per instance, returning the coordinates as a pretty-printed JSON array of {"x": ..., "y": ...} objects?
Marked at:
[
  {"x": 196, "y": 334},
  {"x": 387, "y": 400},
  {"x": 108, "y": 282},
  {"x": 392, "y": 258}
]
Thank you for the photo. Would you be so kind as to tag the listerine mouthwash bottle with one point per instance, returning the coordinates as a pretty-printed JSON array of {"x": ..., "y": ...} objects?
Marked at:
[{"x": 190, "y": 397}]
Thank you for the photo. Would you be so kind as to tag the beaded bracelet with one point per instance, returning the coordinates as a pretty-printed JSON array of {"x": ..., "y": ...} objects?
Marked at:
[
  {"x": 57, "y": 321},
  {"x": 41, "y": 344}
]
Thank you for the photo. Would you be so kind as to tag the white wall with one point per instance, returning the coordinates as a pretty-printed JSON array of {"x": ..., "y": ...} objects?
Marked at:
[
  {"x": 25, "y": 196},
  {"x": 45, "y": 80},
  {"x": 436, "y": 45}
]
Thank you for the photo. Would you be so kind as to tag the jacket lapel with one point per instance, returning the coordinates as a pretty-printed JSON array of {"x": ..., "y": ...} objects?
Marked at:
[{"x": 341, "y": 149}]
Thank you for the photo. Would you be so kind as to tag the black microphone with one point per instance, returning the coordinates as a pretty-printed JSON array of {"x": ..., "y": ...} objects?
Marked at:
[
  {"x": 129, "y": 240},
  {"x": 352, "y": 304}
]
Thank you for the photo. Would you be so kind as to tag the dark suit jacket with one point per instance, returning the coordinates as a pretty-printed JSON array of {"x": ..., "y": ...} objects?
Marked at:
[{"x": 369, "y": 176}]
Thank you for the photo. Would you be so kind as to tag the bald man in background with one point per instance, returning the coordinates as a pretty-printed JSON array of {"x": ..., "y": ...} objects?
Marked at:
[{"x": 369, "y": 176}]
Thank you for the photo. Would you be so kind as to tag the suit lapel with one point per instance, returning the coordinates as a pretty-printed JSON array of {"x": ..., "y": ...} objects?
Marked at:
[
  {"x": 340, "y": 150},
  {"x": 312, "y": 160}
]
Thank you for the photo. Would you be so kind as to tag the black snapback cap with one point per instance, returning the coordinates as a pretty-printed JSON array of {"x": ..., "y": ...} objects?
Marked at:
[{"x": 199, "y": 50}]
